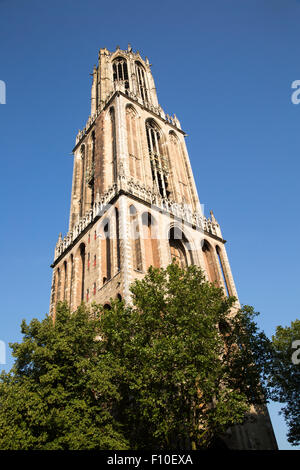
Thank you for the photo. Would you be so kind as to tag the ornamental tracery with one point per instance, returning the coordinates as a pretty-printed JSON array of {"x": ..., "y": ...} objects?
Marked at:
[{"x": 159, "y": 162}]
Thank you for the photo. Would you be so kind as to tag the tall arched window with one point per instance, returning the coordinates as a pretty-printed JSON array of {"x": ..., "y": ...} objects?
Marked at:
[
  {"x": 65, "y": 279},
  {"x": 118, "y": 239},
  {"x": 178, "y": 165},
  {"x": 223, "y": 270},
  {"x": 106, "y": 230},
  {"x": 210, "y": 262},
  {"x": 82, "y": 270},
  {"x": 141, "y": 81},
  {"x": 53, "y": 289},
  {"x": 177, "y": 249},
  {"x": 91, "y": 175},
  {"x": 82, "y": 185},
  {"x": 113, "y": 144},
  {"x": 72, "y": 275},
  {"x": 58, "y": 285},
  {"x": 120, "y": 71},
  {"x": 150, "y": 241},
  {"x": 135, "y": 239},
  {"x": 159, "y": 164},
  {"x": 132, "y": 142}
]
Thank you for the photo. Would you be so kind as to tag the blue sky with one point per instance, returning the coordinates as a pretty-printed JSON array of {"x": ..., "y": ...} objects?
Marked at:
[{"x": 224, "y": 68}]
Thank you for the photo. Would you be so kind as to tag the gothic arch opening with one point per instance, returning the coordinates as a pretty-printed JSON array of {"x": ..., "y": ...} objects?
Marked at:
[
  {"x": 118, "y": 247},
  {"x": 113, "y": 143},
  {"x": 106, "y": 247},
  {"x": 82, "y": 185},
  {"x": 58, "y": 285},
  {"x": 178, "y": 251},
  {"x": 53, "y": 290},
  {"x": 150, "y": 240},
  {"x": 209, "y": 261},
  {"x": 65, "y": 280},
  {"x": 72, "y": 276},
  {"x": 159, "y": 163},
  {"x": 107, "y": 244},
  {"x": 175, "y": 155},
  {"x": 135, "y": 239},
  {"x": 120, "y": 72},
  {"x": 132, "y": 127},
  {"x": 91, "y": 170},
  {"x": 223, "y": 270},
  {"x": 81, "y": 272},
  {"x": 141, "y": 81}
]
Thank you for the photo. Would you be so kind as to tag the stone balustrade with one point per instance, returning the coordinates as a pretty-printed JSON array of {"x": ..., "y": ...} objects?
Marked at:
[{"x": 150, "y": 195}]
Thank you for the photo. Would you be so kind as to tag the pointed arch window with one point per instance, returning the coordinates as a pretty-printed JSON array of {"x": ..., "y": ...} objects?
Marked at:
[
  {"x": 132, "y": 128},
  {"x": 223, "y": 270},
  {"x": 178, "y": 253},
  {"x": 82, "y": 185},
  {"x": 210, "y": 264},
  {"x": 58, "y": 284},
  {"x": 53, "y": 289},
  {"x": 118, "y": 247},
  {"x": 149, "y": 226},
  {"x": 159, "y": 164},
  {"x": 106, "y": 230},
  {"x": 72, "y": 276},
  {"x": 82, "y": 270},
  {"x": 141, "y": 81},
  {"x": 120, "y": 72},
  {"x": 135, "y": 240},
  {"x": 113, "y": 143},
  {"x": 177, "y": 249},
  {"x": 92, "y": 174},
  {"x": 65, "y": 279},
  {"x": 177, "y": 157}
]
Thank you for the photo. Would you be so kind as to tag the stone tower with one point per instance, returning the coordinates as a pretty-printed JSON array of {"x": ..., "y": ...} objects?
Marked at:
[{"x": 134, "y": 202}]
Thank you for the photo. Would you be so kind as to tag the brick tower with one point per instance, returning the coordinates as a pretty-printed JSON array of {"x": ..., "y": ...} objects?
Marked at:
[{"x": 134, "y": 203}]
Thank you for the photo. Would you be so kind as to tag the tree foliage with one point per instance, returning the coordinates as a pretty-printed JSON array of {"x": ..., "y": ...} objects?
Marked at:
[
  {"x": 188, "y": 362},
  {"x": 173, "y": 369},
  {"x": 284, "y": 376},
  {"x": 60, "y": 393}
]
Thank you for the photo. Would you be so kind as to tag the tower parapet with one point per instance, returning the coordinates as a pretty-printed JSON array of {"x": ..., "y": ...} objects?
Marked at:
[{"x": 179, "y": 212}]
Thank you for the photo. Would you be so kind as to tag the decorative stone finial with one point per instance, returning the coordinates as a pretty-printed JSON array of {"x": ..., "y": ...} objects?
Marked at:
[
  {"x": 213, "y": 219},
  {"x": 129, "y": 48}
]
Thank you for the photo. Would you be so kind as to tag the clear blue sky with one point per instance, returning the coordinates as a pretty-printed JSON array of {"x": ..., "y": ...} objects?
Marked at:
[{"x": 224, "y": 67}]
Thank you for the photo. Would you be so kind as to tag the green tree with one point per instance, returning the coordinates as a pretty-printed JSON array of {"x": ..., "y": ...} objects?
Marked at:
[
  {"x": 60, "y": 393},
  {"x": 190, "y": 367},
  {"x": 173, "y": 369},
  {"x": 284, "y": 377}
]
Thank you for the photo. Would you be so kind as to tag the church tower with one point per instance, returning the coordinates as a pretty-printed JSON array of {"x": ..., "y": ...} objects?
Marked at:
[{"x": 134, "y": 201}]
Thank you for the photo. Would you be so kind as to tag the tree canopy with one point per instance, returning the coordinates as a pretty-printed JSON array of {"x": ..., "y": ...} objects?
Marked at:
[
  {"x": 284, "y": 378},
  {"x": 59, "y": 393},
  {"x": 173, "y": 369}
]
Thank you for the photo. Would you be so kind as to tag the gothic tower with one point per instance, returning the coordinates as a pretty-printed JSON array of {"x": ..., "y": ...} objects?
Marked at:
[{"x": 134, "y": 201}]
